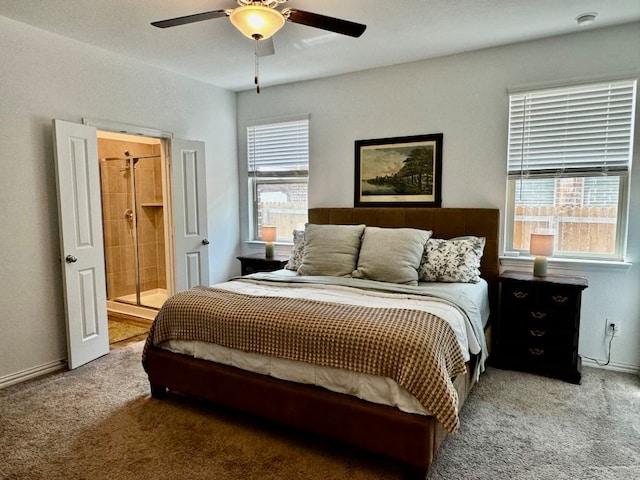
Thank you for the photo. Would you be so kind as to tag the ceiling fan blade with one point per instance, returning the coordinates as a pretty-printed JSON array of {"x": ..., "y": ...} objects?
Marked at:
[
  {"x": 265, "y": 47},
  {"x": 197, "y": 17},
  {"x": 344, "y": 27}
]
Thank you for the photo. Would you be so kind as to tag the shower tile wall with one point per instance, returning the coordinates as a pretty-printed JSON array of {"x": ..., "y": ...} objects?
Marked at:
[{"x": 118, "y": 231}]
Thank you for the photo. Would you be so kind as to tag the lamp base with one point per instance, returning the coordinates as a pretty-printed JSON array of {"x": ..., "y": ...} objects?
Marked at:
[
  {"x": 540, "y": 266},
  {"x": 268, "y": 249}
]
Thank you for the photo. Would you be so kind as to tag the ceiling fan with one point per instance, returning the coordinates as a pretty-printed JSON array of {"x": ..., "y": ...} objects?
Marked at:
[{"x": 259, "y": 20}]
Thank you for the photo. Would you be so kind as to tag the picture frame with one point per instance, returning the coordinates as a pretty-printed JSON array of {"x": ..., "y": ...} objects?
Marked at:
[{"x": 399, "y": 172}]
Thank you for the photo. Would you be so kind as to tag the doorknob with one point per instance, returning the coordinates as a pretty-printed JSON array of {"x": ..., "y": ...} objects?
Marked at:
[
  {"x": 205, "y": 242},
  {"x": 71, "y": 259}
]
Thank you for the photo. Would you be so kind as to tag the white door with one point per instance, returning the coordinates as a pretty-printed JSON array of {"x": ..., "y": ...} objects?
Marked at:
[
  {"x": 81, "y": 242},
  {"x": 189, "y": 185}
]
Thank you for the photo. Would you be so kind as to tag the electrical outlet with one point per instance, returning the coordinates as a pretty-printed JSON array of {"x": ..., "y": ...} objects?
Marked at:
[{"x": 612, "y": 328}]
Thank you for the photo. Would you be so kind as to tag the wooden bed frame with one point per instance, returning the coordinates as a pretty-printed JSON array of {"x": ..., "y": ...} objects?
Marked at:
[{"x": 412, "y": 439}]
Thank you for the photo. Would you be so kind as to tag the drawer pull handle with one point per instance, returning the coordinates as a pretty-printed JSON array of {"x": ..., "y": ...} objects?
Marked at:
[
  {"x": 536, "y": 351},
  {"x": 537, "y": 333},
  {"x": 559, "y": 298},
  {"x": 520, "y": 295},
  {"x": 538, "y": 315}
]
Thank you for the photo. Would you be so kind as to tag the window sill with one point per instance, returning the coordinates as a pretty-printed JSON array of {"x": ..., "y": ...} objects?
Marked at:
[
  {"x": 566, "y": 264},
  {"x": 261, "y": 243},
  {"x": 280, "y": 248}
]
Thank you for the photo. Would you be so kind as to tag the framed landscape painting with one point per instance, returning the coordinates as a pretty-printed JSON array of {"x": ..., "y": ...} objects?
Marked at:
[{"x": 400, "y": 171}]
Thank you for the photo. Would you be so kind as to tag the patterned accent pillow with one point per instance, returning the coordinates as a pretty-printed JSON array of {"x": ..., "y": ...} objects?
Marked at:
[
  {"x": 297, "y": 251},
  {"x": 455, "y": 260}
]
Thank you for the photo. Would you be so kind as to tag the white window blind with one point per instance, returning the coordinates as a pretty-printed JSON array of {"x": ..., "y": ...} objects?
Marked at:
[
  {"x": 573, "y": 131},
  {"x": 278, "y": 148}
]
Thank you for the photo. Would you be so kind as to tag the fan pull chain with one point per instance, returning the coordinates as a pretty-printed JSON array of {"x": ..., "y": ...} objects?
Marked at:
[{"x": 255, "y": 78}]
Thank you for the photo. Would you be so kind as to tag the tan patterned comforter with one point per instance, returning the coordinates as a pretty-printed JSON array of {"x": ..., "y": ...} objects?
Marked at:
[{"x": 416, "y": 349}]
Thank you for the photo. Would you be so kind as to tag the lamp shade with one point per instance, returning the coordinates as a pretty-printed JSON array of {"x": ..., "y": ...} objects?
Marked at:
[
  {"x": 268, "y": 233},
  {"x": 541, "y": 244},
  {"x": 256, "y": 22}
]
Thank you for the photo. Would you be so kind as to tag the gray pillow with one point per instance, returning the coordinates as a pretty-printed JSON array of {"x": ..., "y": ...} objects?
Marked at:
[
  {"x": 455, "y": 260},
  {"x": 391, "y": 254},
  {"x": 331, "y": 250},
  {"x": 297, "y": 251}
]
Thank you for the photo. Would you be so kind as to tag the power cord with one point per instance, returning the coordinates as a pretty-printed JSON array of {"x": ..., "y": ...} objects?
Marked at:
[{"x": 608, "y": 353}]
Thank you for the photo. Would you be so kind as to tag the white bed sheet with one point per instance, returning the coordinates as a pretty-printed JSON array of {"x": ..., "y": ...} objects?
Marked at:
[{"x": 372, "y": 388}]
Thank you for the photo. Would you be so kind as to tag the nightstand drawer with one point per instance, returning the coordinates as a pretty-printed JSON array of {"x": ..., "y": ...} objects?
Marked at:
[
  {"x": 533, "y": 318},
  {"x": 559, "y": 299},
  {"x": 517, "y": 296},
  {"x": 550, "y": 320},
  {"x": 551, "y": 331},
  {"x": 543, "y": 336},
  {"x": 544, "y": 356}
]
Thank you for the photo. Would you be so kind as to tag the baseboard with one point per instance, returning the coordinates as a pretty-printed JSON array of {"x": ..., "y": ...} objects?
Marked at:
[
  {"x": 30, "y": 373},
  {"x": 615, "y": 366}
]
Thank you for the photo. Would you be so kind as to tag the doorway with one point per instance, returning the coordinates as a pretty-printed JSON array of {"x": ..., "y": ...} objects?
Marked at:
[
  {"x": 82, "y": 252},
  {"x": 134, "y": 210}
]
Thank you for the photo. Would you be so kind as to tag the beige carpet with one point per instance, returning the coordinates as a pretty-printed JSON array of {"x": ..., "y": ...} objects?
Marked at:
[
  {"x": 98, "y": 422},
  {"x": 119, "y": 331}
]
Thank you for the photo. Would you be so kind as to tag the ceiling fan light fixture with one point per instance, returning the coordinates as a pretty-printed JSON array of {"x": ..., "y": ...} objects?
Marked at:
[{"x": 256, "y": 21}]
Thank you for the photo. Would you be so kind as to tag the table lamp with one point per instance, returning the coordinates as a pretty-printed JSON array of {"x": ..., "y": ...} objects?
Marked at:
[
  {"x": 268, "y": 234},
  {"x": 541, "y": 246}
]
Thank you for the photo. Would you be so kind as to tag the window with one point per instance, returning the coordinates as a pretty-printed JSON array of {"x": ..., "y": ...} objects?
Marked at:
[
  {"x": 278, "y": 171},
  {"x": 569, "y": 158}
]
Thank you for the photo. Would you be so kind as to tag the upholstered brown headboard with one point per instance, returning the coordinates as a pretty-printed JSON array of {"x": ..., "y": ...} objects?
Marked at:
[{"x": 445, "y": 223}]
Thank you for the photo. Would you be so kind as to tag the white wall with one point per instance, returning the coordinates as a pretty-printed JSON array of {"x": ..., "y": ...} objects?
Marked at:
[
  {"x": 45, "y": 76},
  {"x": 464, "y": 96}
]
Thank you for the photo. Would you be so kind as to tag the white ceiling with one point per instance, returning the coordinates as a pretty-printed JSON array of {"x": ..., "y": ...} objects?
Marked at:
[{"x": 397, "y": 32}]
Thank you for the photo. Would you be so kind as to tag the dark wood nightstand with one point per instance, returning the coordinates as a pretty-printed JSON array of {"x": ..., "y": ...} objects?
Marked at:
[
  {"x": 257, "y": 262},
  {"x": 539, "y": 324}
]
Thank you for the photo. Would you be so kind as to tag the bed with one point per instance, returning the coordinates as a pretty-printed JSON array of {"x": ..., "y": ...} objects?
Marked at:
[{"x": 394, "y": 429}]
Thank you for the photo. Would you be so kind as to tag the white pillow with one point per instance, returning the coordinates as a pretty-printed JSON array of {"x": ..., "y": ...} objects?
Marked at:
[
  {"x": 331, "y": 250},
  {"x": 391, "y": 254},
  {"x": 455, "y": 260}
]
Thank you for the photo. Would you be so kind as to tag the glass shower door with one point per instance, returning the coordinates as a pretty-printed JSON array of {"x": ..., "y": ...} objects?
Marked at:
[{"x": 150, "y": 232}]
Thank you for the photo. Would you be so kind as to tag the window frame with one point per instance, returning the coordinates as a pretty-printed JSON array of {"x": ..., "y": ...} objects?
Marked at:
[
  {"x": 256, "y": 177},
  {"x": 623, "y": 176}
]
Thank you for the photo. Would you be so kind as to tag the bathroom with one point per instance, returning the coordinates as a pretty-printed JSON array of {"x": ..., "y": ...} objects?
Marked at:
[{"x": 134, "y": 212}]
